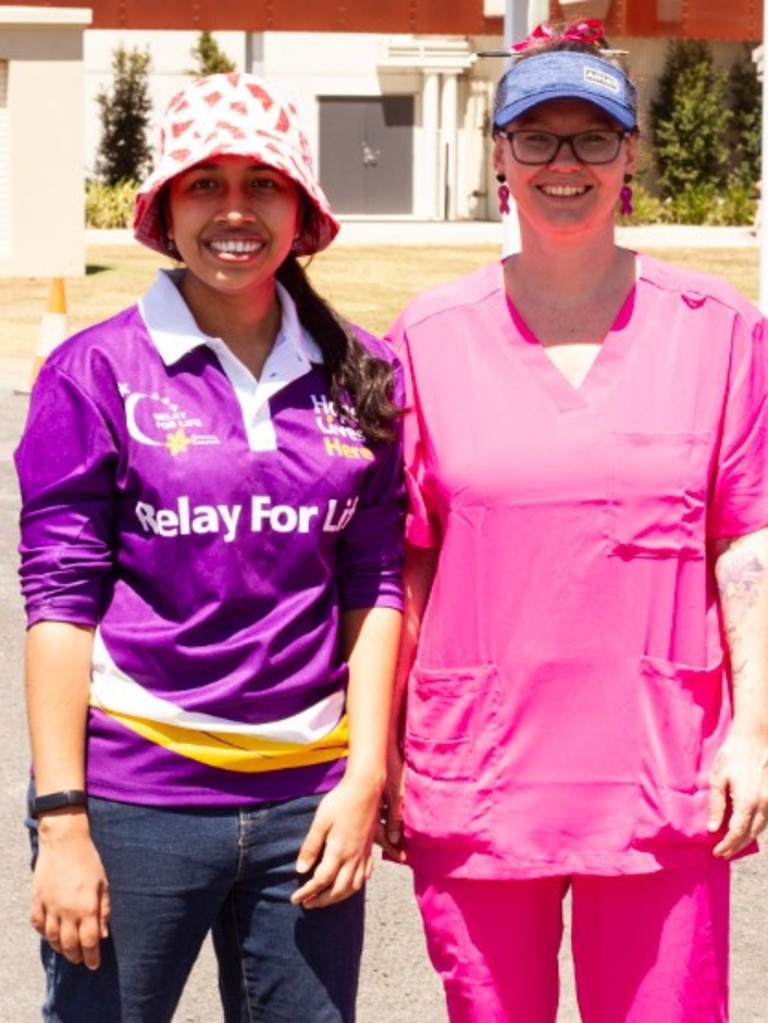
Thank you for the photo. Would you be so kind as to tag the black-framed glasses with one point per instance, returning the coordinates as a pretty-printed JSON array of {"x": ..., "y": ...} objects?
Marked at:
[{"x": 539, "y": 147}]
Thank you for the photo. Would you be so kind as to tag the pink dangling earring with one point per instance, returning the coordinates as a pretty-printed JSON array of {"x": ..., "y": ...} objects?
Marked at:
[
  {"x": 626, "y": 209},
  {"x": 503, "y": 193}
]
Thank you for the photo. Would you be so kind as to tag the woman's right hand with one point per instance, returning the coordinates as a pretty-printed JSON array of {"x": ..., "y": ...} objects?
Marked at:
[
  {"x": 389, "y": 831},
  {"x": 70, "y": 893}
]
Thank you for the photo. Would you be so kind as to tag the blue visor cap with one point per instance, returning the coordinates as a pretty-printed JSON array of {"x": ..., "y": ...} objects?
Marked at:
[{"x": 565, "y": 74}]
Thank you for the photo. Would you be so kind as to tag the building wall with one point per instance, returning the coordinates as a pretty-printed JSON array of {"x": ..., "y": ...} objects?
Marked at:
[
  {"x": 705, "y": 19},
  {"x": 41, "y": 152},
  {"x": 420, "y": 16},
  {"x": 451, "y": 85}
]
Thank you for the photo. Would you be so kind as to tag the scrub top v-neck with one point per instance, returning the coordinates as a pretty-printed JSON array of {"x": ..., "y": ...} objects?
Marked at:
[
  {"x": 570, "y": 692},
  {"x": 612, "y": 353}
]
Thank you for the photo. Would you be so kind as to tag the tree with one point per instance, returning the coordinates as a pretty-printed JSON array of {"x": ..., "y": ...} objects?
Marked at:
[
  {"x": 124, "y": 154},
  {"x": 210, "y": 58},
  {"x": 745, "y": 95},
  {"x": 691, "y": 118}
]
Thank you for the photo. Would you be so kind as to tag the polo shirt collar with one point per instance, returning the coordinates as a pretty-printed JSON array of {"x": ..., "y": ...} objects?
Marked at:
[{"x": 174, "y": 332}]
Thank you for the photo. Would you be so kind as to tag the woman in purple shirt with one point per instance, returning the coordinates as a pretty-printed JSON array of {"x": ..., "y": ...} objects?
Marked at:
[{"x": 211, "y": 559}]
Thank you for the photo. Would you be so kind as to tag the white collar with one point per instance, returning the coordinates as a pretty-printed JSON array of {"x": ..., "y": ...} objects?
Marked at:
[{"x": 174, "y": 332}]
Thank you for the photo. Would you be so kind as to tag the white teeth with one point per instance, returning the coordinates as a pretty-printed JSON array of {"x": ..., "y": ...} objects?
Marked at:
[
  {"x": 236, "y": 247},
  {"x": 565, "y": 190}
]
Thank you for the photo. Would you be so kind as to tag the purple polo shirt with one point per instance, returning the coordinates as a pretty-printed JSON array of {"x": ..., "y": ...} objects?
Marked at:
[{"x": 212, "y": 528}]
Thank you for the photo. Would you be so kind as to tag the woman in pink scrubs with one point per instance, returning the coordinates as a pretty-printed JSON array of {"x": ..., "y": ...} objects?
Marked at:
[{"x": 586, "y": 658}]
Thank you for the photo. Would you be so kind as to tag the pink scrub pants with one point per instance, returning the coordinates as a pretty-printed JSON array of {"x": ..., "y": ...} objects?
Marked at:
[{"x": 647, "y": 948}]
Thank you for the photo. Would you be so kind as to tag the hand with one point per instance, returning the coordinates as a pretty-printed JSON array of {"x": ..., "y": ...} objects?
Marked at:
[
  {"x": 389, "y": 830},
  {"x": 338, "y": 846},
  {"x": 70, "y": 894},
  {"x": 738, "y": 801}
]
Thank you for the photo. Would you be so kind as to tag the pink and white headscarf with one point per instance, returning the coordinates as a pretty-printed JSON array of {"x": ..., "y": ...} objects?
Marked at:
[{"x": 241, "y": 115}]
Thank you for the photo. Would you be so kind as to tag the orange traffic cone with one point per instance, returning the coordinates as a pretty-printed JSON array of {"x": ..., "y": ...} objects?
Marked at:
[{"x": 53, "y": 326}]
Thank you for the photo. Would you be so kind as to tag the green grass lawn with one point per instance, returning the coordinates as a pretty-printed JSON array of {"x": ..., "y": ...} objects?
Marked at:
[{"x": 368, "y": 284}]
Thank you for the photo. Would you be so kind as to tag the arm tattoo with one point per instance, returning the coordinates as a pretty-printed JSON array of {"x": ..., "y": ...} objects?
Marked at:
[{"x": 739, "y": 579}]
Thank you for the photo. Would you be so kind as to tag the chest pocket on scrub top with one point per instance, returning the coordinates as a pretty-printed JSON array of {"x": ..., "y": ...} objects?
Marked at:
[{"x": 658, "y": 486}]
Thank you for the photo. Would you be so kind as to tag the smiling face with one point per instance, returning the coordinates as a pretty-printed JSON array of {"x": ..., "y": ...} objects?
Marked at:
[
  {"x": 564, "y": 196},
  {"x": 233, "y": 223}
]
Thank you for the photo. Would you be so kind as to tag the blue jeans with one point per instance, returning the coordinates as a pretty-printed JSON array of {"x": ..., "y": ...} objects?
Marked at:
[{"x": 176, "y": 875}]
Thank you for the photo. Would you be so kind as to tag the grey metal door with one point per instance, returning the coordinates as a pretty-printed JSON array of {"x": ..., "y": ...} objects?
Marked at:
[{"x": 366, "y": 153}]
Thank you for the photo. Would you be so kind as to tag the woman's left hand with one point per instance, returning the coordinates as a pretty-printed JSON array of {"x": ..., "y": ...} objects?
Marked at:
[
  {"x": 338, "y": 846},
  {"x": 738, "y": 800}
]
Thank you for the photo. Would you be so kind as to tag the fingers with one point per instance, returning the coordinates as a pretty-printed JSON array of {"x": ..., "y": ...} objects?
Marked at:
[
  {"x": 718, "y": 803},
  {"x": 744, "y": 826},
  {"x": 389, "y": 827},
  {"x": 738, "y": 801},
  {"x": 312, "y": 846},
  {"x": 394, "y": 822},
  {"x": 333, "y": 880},
  {"x": 335, "y": 856},
  {"x": 105, "y": 910},
  {"x": 76, "y": 936},
  {"x": 389, "y": 833},
  {"x": 79, "y": 941}
]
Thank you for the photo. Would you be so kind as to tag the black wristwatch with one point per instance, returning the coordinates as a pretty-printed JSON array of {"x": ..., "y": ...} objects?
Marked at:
[{"x": 56, "y": 801}]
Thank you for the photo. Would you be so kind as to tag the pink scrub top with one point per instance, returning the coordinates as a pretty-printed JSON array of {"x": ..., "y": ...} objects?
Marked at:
[{"x": 571, "y": 688}]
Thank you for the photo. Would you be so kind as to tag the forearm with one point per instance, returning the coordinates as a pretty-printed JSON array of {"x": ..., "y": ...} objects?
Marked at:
[
  {"x": 742, "y": 577},
  {"x": 738, "y": 802},
  {"x": 370, "y": 639},
  {"x": 58, "y": 664}
]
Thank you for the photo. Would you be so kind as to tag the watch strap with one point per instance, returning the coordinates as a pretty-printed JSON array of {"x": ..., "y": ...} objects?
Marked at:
[{"x": 56, "y": 801}]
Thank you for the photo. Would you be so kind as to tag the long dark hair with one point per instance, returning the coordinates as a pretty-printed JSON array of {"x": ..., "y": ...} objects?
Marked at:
[{"x": 356, "y": 377}]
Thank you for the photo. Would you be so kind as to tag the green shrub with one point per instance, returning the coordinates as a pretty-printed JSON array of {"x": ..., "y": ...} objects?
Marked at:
[
  {"x": 737, "y": 204},
  {"x": 693, "y": 204},
  {"x": 690, "y": 121},
  {"x": 109, "y": 206}
]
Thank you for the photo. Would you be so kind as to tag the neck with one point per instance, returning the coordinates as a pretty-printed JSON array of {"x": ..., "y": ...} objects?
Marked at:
[
  {"x": 569, "y": 294},
  {"x": 567, "y": 270},
  {"x": 247, "y": 322}
]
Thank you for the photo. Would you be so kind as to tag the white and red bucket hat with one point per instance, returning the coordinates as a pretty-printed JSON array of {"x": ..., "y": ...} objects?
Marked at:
[{"x": 234, "y": 114}]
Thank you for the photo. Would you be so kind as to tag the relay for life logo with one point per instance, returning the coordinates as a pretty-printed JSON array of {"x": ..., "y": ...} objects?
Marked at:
[{"x": 160, "y": 422}]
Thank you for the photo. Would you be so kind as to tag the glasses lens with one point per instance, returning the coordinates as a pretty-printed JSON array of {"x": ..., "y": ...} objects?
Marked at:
[
  {"x": 596, "y": 146},
  {"x": 533, "y": 146},
  {"x": 539, "y": 147}
]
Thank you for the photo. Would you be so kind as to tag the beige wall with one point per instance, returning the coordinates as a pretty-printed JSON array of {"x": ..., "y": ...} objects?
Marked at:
[{"x": 41, "y": 156}]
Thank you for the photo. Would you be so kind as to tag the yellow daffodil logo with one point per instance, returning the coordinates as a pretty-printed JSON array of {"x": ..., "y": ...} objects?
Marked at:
[{"x": 177, "y": 443}]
